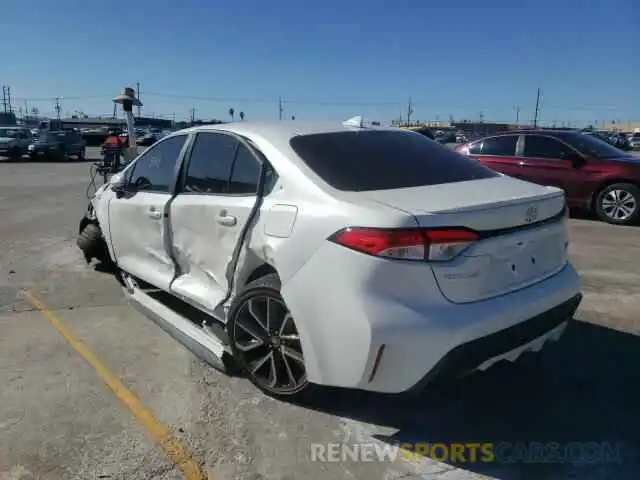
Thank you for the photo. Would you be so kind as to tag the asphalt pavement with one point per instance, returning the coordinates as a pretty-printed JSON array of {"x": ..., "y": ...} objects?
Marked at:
[{"x": 91, "y": 389}]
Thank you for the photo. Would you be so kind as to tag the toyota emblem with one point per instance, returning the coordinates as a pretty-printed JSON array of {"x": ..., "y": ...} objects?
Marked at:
[{"x": 531, "y": 214}]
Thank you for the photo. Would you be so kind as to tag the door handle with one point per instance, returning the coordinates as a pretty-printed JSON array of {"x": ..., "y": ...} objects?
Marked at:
[
  {"x": 226, "y": 220},
  {"x": 154, "y": 214}
]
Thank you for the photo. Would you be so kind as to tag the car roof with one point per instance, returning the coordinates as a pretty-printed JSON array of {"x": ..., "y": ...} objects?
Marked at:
[{"x": 280, "y": 131}]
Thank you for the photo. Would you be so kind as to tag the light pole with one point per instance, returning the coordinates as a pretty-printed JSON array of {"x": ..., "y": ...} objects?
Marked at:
[{"x": 128, "y": 100}]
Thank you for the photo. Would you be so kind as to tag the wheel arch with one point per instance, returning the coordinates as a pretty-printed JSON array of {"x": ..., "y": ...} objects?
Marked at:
[
  {"x": 605, "y": 184},
  {"x": 261, "y": 271}
]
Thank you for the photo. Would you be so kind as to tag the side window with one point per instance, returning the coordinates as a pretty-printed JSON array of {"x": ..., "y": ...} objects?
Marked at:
[
  {"x": 500, "y": 146},
  {"x": 246, "y": 172},
  {"x": 544, "y": 147},
  {"x": 154, "y": 171},
  {"x": 209, "y": 166}
]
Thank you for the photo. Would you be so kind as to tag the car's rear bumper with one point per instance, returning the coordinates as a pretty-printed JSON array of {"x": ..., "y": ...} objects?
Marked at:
[
  {"x": 348, "y": 307},
  {"x": 506, "y": 344}
]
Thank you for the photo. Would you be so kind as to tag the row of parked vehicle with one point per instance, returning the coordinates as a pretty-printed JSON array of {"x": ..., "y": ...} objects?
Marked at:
[
  {"x": 15, "y": 142},
  {"x": 621, "y": 140}
]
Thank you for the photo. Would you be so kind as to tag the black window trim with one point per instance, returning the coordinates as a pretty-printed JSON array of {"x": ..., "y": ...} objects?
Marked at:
[
  {"x": 241, "y": 141},
  {"x": 482, "y": 140},
  {"x": 172, "y": 187},
  {"x": 533, "y": 134}
]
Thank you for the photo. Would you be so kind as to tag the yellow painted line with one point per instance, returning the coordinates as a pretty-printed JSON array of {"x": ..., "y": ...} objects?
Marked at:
[{"x": 160, "y": 432}]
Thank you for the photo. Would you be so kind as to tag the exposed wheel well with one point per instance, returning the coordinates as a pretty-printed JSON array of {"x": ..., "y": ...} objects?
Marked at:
[
  {"x": 594, "y": 195},
  {"x": 262, "y": 271},
  {"x": 84, "y": 222}
]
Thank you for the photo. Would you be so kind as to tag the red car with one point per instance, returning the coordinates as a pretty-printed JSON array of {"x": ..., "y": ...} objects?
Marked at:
[{"x": 595, "y": 176}]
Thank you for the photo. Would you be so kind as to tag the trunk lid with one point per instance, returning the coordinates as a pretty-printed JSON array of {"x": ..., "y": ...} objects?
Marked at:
[{"x": 523, "y": 234}]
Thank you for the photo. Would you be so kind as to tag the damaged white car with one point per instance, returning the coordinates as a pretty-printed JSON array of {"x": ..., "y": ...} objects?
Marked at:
[{"x": 335, "y": 254}]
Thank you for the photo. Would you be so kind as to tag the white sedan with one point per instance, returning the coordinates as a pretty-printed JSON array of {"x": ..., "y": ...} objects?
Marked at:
[{"x": 335, "y": 254}]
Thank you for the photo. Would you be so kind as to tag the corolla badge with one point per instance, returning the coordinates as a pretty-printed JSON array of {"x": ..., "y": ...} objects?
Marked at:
[{"x": 531, "y": 214}]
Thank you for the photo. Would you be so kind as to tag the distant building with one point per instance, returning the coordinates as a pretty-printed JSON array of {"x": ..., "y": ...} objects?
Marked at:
[
  {"x": 97, "y": 122},
  {"x": 621, "y": 127},
  {"x": 481, "y": 128}
]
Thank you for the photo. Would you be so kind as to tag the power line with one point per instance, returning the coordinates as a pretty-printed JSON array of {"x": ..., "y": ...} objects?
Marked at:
[{"x": 372, "y": 103}]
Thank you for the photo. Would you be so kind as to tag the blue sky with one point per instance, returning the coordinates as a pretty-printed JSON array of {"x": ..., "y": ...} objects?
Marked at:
[{"x": 329, "y": 59}]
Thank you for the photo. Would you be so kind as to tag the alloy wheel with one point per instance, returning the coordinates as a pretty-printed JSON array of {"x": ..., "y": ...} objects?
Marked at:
[
  {"x": 619, "y": 205},
  {"x": 268, "y": 344}
]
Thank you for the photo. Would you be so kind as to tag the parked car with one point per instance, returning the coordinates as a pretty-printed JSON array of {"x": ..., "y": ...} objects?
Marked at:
[
  {"x": 147, "y": 139},
  {"x": 595, "y": 176},
  {"x": 369, "y": 258},
  {"x": 14, "y": 142},
  {"x": 58, "y": 145},
  {"x": 634, "y": 141},
  {"x": 620, "y": 140}
]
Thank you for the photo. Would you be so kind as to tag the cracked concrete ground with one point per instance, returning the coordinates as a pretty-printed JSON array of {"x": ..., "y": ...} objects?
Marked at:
[{"x": 58, "y": 420}]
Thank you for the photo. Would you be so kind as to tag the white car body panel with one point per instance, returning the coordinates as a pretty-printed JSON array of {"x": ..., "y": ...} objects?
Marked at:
[
  {"x": 203, "y": 244},
  {"x": 140, "y": 236},
  {"x": 347, "y": 304}
]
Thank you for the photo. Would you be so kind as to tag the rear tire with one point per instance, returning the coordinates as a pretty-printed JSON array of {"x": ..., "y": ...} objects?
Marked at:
[
  {"x": 618, "y": 204},
  {"x": 265, "y": 342}
]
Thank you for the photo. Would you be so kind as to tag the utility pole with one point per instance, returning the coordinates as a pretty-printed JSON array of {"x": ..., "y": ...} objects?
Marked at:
[
  {"x": 193, "y": 115},
  {"x": 280, "y": 107},
  {"x": 4, "y": 98},
  {"x": 57, "y": 107},
  {"x": 409, "y": 112},
  {"x": 138, "y": 95},
  {"x": 9, "y": 99},
  {"x": 517, "y": 108},
  {"x": 535, "y": 118}
]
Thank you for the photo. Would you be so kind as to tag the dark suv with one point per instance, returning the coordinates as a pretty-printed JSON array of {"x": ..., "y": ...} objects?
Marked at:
[
  {"x": 58, "y": 145},
  {"x": 595, "y": 175}
]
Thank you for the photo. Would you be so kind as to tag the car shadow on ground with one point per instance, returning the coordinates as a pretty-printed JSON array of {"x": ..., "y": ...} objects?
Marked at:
[{"x": 580, "y": 393}]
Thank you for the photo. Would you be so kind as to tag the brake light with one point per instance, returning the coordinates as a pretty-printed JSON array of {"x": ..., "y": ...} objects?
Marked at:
[{"x": 439, "y": 244}]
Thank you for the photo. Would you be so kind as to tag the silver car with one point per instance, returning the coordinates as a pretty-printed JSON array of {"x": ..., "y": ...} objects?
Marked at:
[
  {"x": 14, "y": 142},
  {"x": 634, "y": 140}
]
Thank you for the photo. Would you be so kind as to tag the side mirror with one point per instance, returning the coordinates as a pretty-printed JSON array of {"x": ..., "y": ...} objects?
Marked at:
[{"x": 117, "y": 182}]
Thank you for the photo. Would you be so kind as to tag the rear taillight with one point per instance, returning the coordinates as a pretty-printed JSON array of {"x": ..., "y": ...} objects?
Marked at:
[{"x": 439, "y": 244}]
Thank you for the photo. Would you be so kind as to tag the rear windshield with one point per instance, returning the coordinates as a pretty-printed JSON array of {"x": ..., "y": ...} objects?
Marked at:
[{"x": 383, "y": 160}]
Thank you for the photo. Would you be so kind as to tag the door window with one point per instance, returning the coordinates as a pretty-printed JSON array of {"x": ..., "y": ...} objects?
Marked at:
[
  {"x": 154, "y": 171},
  {"x": 500, "y": 146},
  {"x": 210, "y": 163},
  {"x": 536, "y": 146},
  {"x": 246, "y": 173}
]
